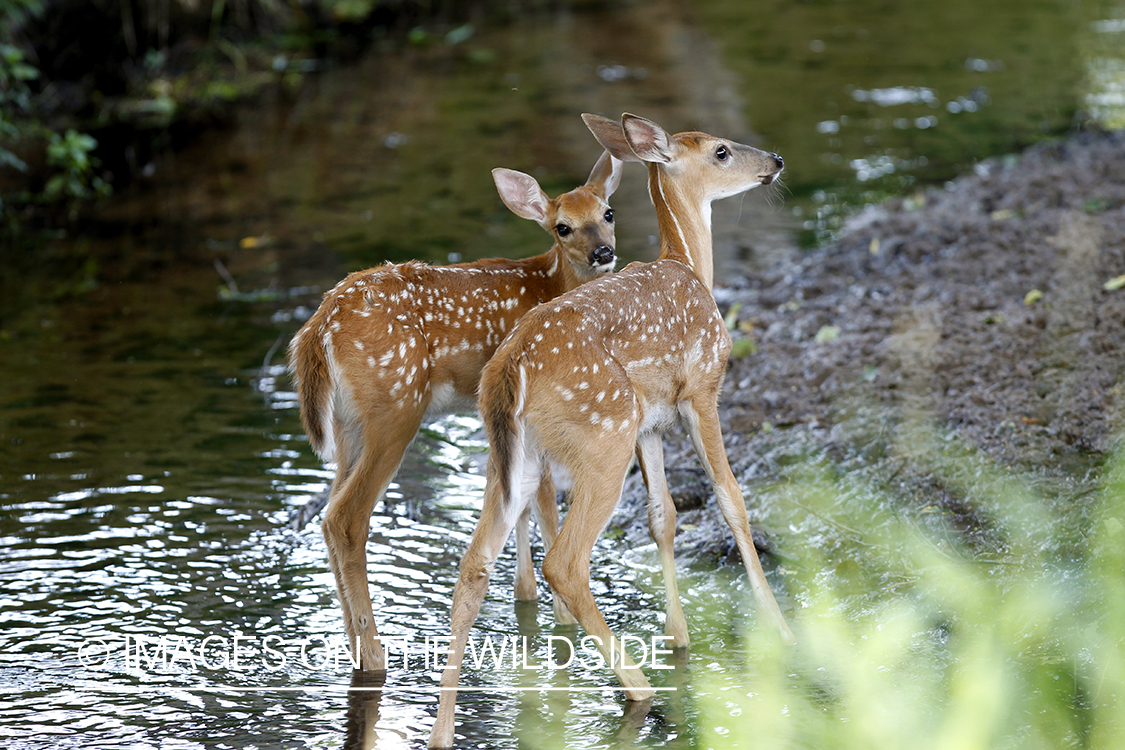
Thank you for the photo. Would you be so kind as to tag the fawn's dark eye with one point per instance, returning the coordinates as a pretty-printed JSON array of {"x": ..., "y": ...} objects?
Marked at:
[
  {"x": 609, "y": 215},
  {"x": 562, "y": 229},
  {"x": 721, "y": 153}
]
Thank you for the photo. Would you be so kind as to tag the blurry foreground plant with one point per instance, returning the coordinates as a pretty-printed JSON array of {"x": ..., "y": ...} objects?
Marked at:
[{"x": 927, "y": 644}]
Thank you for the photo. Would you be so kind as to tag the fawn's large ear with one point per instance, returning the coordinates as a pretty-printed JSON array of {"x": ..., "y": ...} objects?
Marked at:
[
  {"x": 648, "y": 141},
  {"x": 605, "y": 176},
  {"x": 609, "y": 134},
  {"x": 521, "y": 193}
]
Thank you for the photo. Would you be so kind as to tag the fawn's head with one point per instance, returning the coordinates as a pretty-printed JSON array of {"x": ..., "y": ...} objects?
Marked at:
[
  {"x": 581, "y": 221},
  {"x": 714, "y": 167}
]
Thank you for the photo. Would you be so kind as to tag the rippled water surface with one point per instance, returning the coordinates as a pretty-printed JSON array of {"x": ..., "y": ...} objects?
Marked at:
[
  {"x": 123, "y": 602},
  {"x": 151, "y": 452}
]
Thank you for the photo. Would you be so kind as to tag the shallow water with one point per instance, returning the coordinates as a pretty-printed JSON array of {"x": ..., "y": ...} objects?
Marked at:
[{"x": 151, "y": 451}]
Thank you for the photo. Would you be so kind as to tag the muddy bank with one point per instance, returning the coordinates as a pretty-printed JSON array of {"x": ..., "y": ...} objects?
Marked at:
[{"x": 981, "y": 306}]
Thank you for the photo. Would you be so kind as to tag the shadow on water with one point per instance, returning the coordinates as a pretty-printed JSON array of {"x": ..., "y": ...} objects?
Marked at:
[{"x": 151, "y": 448}]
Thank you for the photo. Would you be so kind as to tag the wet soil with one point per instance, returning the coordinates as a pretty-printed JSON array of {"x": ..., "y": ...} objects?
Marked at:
[{"x": 980, "y": 307}]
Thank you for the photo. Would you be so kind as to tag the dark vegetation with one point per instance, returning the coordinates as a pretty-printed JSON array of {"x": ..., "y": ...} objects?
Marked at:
[{"x": 90, "y": 91}]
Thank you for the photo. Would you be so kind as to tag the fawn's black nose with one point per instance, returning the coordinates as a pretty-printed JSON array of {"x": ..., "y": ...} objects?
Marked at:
[
  {"x": 779, "y": 164},
  {"x": 602, "y": 255}
]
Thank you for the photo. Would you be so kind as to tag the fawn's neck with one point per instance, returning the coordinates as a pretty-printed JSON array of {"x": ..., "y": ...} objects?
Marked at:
[
  {"x": 558, "y": 272},
  {"x": 684, "y": 217}
]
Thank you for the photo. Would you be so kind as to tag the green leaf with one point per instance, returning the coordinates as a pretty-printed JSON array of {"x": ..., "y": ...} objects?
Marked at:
[
  {"x": 1096, "y": 205},
  {"x": 460, "y": 34},
  {"x": 10, "y": 54},
  {"x": 8, "y": 159},
  {"x": 24, "y": 72},
  {"x": 56, "y": 187},
  {"x": 731, "y": 318},
  {"x": 1115, "y": 283},
  {"x": 742, "y": 348},
  {"x": 827, "y": 334}
]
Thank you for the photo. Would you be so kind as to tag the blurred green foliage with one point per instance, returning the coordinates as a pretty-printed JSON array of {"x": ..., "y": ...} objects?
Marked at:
[
  {"x": 69, "y": 153},
  {"x": 71, "y": 165},
  {"x": 15, "y": 98},
  {"x": 911, "y": 636},
  {"x": 146, "y": 67}
]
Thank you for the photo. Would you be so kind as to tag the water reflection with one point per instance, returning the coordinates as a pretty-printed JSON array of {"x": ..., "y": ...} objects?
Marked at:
[
  {"x": 362, "y": 718},
  {"x": 868, "y": 100},
  {"x": 1105, "y": 70}
]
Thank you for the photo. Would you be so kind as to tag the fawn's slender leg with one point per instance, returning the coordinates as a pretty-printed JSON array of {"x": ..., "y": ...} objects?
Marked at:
[
  {"x": 567, "y": 566},
  {"x": 702, "y": 420},
  {"x": 347, "y": 522},
  {"x": 662, "y": 527},
  {"x": 526, "y": 589},
  {"x": 497, "y": 518},
  {"x": 344, "y": 466},
  {"x": 547, "y": 516}
]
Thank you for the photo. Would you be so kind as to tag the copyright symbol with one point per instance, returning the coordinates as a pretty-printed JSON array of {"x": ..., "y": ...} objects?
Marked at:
[{"x": 93, "y": 653}]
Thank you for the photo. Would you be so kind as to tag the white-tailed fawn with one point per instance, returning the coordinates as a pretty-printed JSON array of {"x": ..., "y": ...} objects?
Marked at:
[
  {"x": 394, "y": 345},
  {"x": 588, "y": 378}
]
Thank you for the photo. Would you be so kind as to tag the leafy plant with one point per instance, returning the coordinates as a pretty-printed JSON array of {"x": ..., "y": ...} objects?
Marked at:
[
  {"x": 70, "y": 153},
  {"x": 15, "y": 99}
]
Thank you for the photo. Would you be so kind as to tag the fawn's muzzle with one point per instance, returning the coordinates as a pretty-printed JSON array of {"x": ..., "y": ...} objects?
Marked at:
[
  {"x": 780, "y": 164},
  {"x": 602, "y": 255}
]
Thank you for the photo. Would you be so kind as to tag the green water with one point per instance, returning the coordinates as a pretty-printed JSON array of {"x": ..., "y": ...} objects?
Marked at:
[
  {"x": 150, "y": 450},
  {"x": 868, "y": 99}
]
